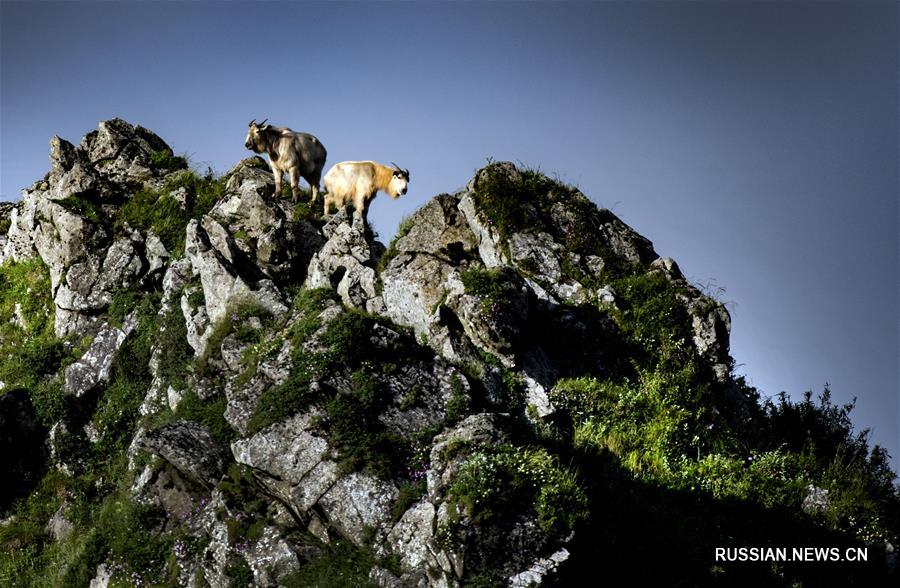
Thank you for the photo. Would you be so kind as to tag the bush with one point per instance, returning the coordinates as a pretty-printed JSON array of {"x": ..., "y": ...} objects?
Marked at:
[
  {"x": 499, "y": 482},
  {"x": 493, "y": 285},
  {"x": 168, "y": 161}
]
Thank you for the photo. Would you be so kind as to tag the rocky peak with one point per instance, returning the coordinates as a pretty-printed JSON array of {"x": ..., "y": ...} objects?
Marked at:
[{"x": 281, "y": 389}]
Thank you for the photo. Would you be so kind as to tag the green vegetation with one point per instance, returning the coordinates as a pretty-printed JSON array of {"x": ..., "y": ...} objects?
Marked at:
[
  {"x": 108, "y": 525},
  {"x": 495, "y": 482},
  {"x": 305, "y": 210},
  {"x": 648, "y": 457},
  {"x": 84, "y": 204},
  {"x": 247, "y": 321},
  {"x": 494, "y": 286},
  {"x": 168, "y": 217},
  {"x": 209, "y": 413},
  {"x": 279, "y": 402},
  {"x": 406, "y": 225},
  {"x": 341, "y": 564},
  {"x": 352, "y": 426},
  {"x": 410, "y": 493},
  {"x": 524, "y": 203},
  {"x": 175, "y": 354},
  {"x": 30, "y": 353},
  {"x": 168, "y": 161}
]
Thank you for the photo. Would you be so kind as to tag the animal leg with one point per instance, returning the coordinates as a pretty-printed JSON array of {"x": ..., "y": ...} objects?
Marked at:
[
  {"x": 277, "y": 183},
  {"x": 314, "y": 186},
  {"x": 295, "y": 183}
]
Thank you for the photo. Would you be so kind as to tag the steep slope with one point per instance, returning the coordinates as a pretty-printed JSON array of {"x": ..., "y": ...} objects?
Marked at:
[{"x": 206, "y": 384}]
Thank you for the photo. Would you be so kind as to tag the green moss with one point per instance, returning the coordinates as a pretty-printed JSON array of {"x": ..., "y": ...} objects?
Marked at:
[{"x": 5, "y": 223}]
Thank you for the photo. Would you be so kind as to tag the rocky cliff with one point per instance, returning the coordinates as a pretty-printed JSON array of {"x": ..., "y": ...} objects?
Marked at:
[{"x": 205, "y": 384}]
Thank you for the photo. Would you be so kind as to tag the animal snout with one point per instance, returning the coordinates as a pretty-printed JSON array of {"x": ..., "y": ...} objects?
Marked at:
[
  {"x": 403, "y": 191},
  {"x": 247, "y": 145}
]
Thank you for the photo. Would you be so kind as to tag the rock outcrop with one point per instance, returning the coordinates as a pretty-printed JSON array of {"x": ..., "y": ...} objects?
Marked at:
[{"x": 308, "y": 390}]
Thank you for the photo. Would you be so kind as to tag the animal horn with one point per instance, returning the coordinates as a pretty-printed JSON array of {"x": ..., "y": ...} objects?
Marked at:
[
  {"x": 396, "y": 167},
  {"x": 252, "y": 122},
  {"x": 263, "y": 122}
]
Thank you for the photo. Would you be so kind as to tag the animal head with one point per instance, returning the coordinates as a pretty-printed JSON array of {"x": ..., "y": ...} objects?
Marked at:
[
  {"x": 399, "y": 181},
  {"x": 253, "y": 140}
]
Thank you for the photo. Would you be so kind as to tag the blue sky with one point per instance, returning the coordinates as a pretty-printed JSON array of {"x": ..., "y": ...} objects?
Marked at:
[{"x": 755, "y": 143}]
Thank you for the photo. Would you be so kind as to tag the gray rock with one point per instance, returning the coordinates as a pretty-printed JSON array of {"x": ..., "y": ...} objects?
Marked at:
[
  {"x": 540, "y": 570},
  {"x": 490, "y": 248},
  {"x": 411, "y": 538},
  {"x": 189, "y": 447},
  {"x": 270, "y": 558},
  {"x": 711, "y": 324},
  {"x": 295, "y": 460},
  {"x": 59, "y": 527},
  {"x": 668, "y": 267},
  {"x": 358, "y": 503},
  {"x": 102, "y": 578},
  {"x": 93, "y": 368},
  {"x": 157, "y": 255},
  {"x": 816, "y": 500},
  {"x": 537, "y": 254},
  {"x": 223, "y": 284},
  {"x": 346, "y": 262}
]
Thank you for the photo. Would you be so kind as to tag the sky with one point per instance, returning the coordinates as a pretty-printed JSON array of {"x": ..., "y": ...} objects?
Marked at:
[{"x": 755, "y": 143}]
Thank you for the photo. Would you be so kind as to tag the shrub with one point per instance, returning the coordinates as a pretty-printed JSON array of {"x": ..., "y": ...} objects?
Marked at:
[
  {"x": 166, "y": 160},
  {"x": 493, "y": 285},
  {"x": 499, "y": 482}
]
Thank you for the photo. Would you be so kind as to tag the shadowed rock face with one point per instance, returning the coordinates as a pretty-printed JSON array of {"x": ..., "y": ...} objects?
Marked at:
[
  {"x": 22, "y": 451},
  {"x": 342, "y": 416}
]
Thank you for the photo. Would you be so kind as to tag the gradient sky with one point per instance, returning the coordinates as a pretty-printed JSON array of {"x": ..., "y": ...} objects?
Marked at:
[{"x": 755, "y": 143}]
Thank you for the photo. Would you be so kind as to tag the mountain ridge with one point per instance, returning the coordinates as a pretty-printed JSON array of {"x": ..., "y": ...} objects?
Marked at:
[{"x": 219, "y": 387}]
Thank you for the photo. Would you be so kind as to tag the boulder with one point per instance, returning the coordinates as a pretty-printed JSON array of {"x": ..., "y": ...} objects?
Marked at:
[
  {"x": 190, "y": 448},
  {"x": 94, "y": 367}
]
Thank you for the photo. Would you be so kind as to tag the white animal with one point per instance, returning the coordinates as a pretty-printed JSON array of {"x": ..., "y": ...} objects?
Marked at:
[
  {"x": 357, "y": 182},
  {"x": 296, "y": 154}
]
